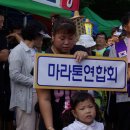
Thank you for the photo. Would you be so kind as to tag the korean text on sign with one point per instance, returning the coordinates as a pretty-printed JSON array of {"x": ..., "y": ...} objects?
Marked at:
[{"x": 54, "y": 71}]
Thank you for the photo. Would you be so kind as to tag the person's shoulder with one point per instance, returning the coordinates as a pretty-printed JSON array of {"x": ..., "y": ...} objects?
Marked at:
[
  {"x": 70, "y": 127},
  {"x": 78, "y": 48},
  {"x": 18, "y": 47},
  {"x": 99, "y": 125},
  {"x": 17, "y": 50}
]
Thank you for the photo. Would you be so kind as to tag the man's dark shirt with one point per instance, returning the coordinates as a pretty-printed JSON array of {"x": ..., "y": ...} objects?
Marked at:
[
  {"x": 4, "y": 82},
  {"x": 3, "y": 45}
]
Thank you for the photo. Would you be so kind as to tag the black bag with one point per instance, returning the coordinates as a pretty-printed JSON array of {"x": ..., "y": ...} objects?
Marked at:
[{"x": 37, "y": 109}]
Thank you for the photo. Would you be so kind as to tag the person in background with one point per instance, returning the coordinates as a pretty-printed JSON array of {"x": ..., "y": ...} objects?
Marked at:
[
  {"x": 110, "y": 41},
  {"x": 40, "y": 42},
  {"x": 14, "y": 37},
  {"x": 101, "y": 45},
  {"x": 54, "y": 17},
  {"x": 21, "y": 63},
  {"x": 52, "y": 102},
  {"x": 120, "y": 111},
  {"x": 84, "y": 109},
  {"x": 101, "y": 97},
  {"x": 4, "y": 89},
  {"x": 115, "y": 34}
]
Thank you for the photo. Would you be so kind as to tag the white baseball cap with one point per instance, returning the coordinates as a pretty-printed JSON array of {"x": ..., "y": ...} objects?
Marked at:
[{"x": 86, "y": 41}]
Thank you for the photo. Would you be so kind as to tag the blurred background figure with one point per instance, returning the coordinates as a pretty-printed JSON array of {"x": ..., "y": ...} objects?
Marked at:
[
  {"x": 117, "y": 34},
  {"x": 5, "y": 114},
  {"x": 42, "y": 43},
  {"x": 14, "y": 37},
  {"x": 101, "y": 48},
  {"x": 54, "y": 17},
  {"x": 21, "y": 63}
]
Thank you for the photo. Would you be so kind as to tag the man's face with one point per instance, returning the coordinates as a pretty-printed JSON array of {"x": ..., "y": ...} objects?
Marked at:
[
  {"x": 1, "y": 21},
  {"x": 38, "y": 42},
  {"x": 100, "y": 40}
]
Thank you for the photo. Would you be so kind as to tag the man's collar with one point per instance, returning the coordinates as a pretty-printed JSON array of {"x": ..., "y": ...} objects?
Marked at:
[{"x": 26, "y": 48}]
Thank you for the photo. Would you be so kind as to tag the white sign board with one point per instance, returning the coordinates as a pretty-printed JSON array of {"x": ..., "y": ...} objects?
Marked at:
[
  {"x": 55, "y": 3},
  {"x": 52, "y": 72}
]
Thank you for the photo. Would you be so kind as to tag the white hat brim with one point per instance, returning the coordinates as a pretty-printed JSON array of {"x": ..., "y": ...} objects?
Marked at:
[{"x": 45, "y": 35}]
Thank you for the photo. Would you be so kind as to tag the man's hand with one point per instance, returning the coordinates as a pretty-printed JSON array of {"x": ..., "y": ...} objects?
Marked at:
[{"x": 4, "y": 55}]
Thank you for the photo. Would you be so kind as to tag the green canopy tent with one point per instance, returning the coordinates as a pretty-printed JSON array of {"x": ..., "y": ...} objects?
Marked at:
[
  {"x": 46, "y": 11},
  {"x": 35, "y": 8},
  {"x": 103, "y": 25}
]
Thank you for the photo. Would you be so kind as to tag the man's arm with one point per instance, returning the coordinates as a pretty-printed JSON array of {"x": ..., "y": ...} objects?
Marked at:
[
  {"x": 17, "y": 36},
  {"x": 15, "y": 66}
]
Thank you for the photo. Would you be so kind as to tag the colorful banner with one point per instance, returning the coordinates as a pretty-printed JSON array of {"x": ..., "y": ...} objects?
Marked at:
[
  {"x": 65, "y": 4},
  {"x": 72, "y": 5},
  {"x": 37, "y": 8}
]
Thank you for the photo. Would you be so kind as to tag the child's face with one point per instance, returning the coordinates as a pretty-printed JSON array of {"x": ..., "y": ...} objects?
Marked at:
[
  {"x": 115, "y": 38},
  {"x": 85, "y": 112},
  {"x": 63, "y": 42}
]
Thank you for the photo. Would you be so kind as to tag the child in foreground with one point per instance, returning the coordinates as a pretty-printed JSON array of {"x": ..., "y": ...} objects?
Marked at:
[{"x": 83, "y": 108}]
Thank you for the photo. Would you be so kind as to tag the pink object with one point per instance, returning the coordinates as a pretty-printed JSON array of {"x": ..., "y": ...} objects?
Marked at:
[
  {"x": 128, "y": 50},
  {"x": 67, "y": 106}
]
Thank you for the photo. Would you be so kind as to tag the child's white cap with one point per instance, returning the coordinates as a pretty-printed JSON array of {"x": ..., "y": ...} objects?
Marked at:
[{"x": 86, "y": 41}]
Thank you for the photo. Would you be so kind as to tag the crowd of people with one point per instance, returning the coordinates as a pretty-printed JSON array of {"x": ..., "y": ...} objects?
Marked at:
[{"x": 27, "y": 108}]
